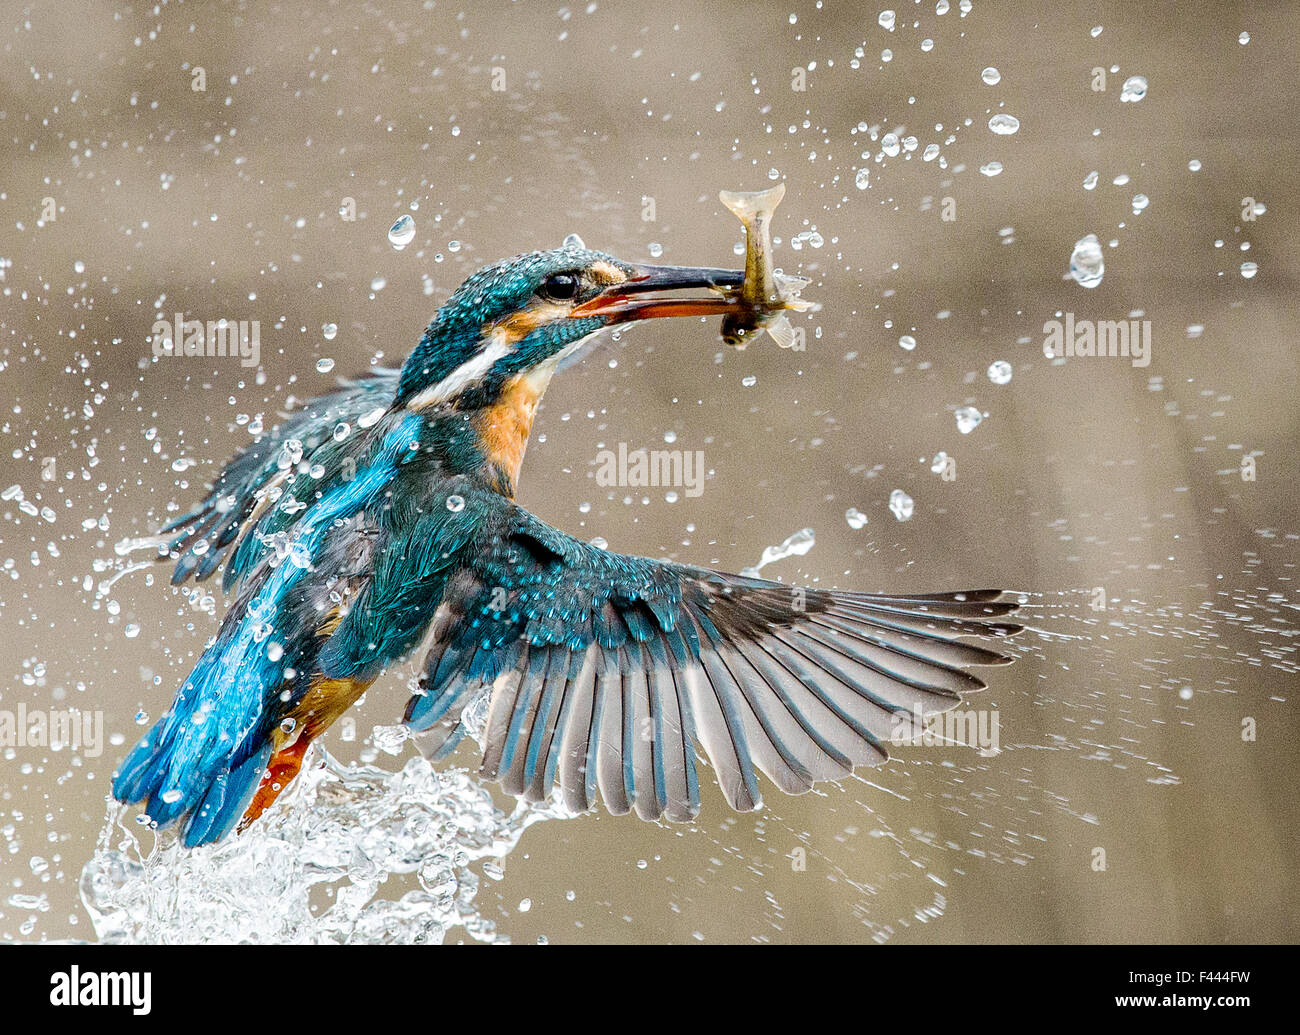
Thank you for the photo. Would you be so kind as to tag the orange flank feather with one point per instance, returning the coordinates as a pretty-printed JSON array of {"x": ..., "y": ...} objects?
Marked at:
[{"x": 314, "y": 714}]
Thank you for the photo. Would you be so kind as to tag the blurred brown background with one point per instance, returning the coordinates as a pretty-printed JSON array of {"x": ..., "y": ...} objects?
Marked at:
[{"x": 1119, "y": 730}]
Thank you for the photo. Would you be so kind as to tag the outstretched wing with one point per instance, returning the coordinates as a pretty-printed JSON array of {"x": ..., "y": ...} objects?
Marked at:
[
  {"x": 263, "y": 475},
  {"x": 607, "y": 671}
]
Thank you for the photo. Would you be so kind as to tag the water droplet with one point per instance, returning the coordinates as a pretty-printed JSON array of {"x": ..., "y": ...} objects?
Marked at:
[
  {"x": 1087, "y": 266},
  {"x": 890, "y": 145},
  {"x": 999, "y": 372},
  {"x": 931, "y": 153},
  {"x": 901, "y": 504},
  {"x": 455, "y": 503},
  {"x": 886, "y": 20},
  {"x": 1140, "y": 201},
  {"x": 574, "y": 241},
  {"x": 907, "y": 342},
  {"x": 1244, "y": 38},
  {"x": 1249, "y": 269},
  {"x": 991, "y": 168},
  {"x": 940, "y": 462},
  {"x": 991, "y": 76},
  {"x": 863, "y": 179},
  {"x": 525, "y": 904},
  {"x": 1004, "y": 125},
  {"x": 855, "y": 518},
  {"x": 968, "y": 419},
  {"x": 324, "y": 365},
  {"x": 172, "y": 797},
  {"x": 131, "y": 631},
  {"x": 378, "y": 284},
  {"x": 341, "y": 431},
  {"x": 1134, "y": 89},
  {"x": 1090, "y": 181},
  {"x": 401, "y": 233},
  {"x": 655, "y": 249},
  {"x": 329, "y": 330},
  {"x": 1095, "y": 32},
  {"x": 749, "y": 381}
]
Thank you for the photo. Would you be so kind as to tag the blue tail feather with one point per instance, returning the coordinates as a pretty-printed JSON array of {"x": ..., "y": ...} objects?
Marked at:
[
  {"x": 203, "y": 760},
  {"x": 226, "y": 799}
]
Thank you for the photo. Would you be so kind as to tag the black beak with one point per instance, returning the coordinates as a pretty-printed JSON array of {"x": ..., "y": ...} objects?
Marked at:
[{"x": 624, "y": 301}]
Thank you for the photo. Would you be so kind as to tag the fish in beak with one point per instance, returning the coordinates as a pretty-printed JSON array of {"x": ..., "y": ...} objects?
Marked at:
[
  {"x": 766, "y": 295},
  {"x": 750, "y": 300}
]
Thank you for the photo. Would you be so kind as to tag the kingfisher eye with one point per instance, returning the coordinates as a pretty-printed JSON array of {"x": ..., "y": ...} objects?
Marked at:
[{"x": 563, "y": 287}]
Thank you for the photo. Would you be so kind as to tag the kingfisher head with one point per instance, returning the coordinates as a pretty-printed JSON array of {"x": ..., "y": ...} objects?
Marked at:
[{"x": 506, "y": 329}]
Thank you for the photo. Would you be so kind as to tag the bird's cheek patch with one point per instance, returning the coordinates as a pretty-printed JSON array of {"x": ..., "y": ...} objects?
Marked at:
[
  {"x": 516, "y": 327},
  {"x": 605, "y": 273}
]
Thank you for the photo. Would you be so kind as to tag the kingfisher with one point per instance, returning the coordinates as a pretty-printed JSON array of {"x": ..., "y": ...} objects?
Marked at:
[{"x": 381, "y": 518}]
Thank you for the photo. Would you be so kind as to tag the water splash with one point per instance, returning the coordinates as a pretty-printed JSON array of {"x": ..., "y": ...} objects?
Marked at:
[
  {"x": 312, "y": 870},
  {"x": 796, "y": 545}
]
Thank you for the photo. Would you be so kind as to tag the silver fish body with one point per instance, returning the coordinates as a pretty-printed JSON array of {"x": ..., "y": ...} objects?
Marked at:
[{"x": 766, "y": 296}]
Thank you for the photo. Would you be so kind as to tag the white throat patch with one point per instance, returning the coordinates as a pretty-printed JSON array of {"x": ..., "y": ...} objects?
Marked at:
[{"x": 475, "y": 369}]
